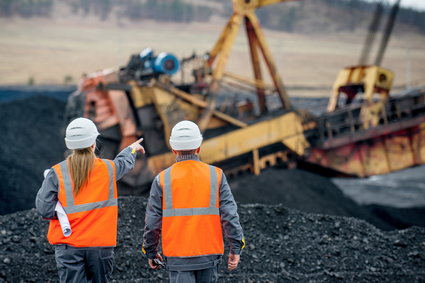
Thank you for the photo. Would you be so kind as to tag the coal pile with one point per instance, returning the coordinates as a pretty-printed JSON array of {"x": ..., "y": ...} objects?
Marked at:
[
  {"x": 30, "y": 142},
  {"x": 18, "y": 92},
  {"x": 305, "y": 191},
  {"x": 399, "y": 217},
  {"x": 283, "y": 245}
]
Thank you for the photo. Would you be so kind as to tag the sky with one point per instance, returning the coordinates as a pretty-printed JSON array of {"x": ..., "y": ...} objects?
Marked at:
[{"x": 417, "y": 4}]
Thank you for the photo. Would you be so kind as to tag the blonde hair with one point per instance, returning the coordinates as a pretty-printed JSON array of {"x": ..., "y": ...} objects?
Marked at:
[{"x": 81, "y": 163}]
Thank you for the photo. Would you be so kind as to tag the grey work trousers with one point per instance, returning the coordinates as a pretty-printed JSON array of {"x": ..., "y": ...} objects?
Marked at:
[
  {"x": 83, "y": 265},
  {"x": 209, "y": 275}
]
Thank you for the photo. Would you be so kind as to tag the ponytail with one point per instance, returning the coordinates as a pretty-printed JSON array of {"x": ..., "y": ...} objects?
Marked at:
[{"x": 80, "y": 162}]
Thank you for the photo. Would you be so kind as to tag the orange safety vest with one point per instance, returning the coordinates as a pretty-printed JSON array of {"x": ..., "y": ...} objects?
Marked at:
[
  {"x": 190, "y": 210},
  {"x": 93, "y": 213}
]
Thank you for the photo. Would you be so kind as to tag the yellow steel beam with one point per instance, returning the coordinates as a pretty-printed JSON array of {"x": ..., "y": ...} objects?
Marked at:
[
  {"x": 262, "y": 3},
  {"x": 208, "y": 112},
  {"x": 286, "y": 104},
  {"x": 285, "y": 128},
  {"x": 253, "y": 48},
  {"x": 219, "y": 43},
  {"x": 226, "y": 46},
  {"x": 221, "y": 50},
  {"x": 256, "y": 83},
  {"x": 203, "y": 104}
]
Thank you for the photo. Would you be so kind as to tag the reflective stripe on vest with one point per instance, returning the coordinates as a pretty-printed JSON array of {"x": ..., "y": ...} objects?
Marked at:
[
  {"x": 93, "y": 213},
  {"x": 170, "y": 211},
  {"x": 70, "y": 207}
]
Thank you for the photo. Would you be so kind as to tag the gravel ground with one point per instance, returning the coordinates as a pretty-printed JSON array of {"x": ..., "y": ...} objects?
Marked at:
[{"x": 283, "y": 245}]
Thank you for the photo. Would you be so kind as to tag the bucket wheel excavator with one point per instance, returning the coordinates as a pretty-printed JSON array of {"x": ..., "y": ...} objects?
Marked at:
[
  {"x": 367, "y": 131},
  {"x": 247, "y": 123},
  {"x": 141, "y": 99}
]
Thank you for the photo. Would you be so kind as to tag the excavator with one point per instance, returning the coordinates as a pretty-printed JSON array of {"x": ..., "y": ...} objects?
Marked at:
[
  {"x": 366, "y": 131},
  {"x": 256, "y": 128}
]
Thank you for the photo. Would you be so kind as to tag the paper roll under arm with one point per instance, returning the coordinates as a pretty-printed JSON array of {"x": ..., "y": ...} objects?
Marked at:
[
  {"x": 63, "y": 220},
  {"x": 45, "y": 172}
]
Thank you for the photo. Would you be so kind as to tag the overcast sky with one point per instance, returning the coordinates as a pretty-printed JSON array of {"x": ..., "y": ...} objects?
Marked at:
[{"x": 417, "y": 4}]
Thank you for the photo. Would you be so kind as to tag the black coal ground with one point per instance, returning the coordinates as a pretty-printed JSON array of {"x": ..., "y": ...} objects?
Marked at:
[{"x": 283, "y": 245}]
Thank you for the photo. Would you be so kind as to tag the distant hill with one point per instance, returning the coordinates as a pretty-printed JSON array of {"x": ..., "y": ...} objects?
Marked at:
[
  {"x": 304, "y": 16},
  {"x": 318, "y": 16}
]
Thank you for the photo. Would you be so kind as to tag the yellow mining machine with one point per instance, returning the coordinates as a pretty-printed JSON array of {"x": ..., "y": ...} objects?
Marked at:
[
  {"x": 243, "y": 132},
  {"x": 239, "y": 134},
  {"x": 366, "y": 131}
]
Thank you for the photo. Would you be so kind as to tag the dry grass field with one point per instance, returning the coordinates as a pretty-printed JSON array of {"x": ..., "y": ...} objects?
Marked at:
[{"x": 48, "y": 51}]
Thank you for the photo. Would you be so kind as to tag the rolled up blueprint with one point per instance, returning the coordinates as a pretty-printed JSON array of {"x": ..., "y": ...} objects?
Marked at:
[
  {"x": 63, "y": 220},
  {"x": 46, "y": 172}
]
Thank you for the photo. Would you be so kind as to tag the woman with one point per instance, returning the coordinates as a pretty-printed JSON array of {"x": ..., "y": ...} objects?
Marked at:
[{"x": 86, "y": 188}]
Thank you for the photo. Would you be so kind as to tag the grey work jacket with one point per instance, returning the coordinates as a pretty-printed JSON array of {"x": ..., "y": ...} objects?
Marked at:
[
  {"x": 47, "y": 195},
  {"x": 229, "y": 219}
]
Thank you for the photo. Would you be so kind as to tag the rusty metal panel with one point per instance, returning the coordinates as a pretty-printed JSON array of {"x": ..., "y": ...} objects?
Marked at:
[
  {"x": 374, "y": 158},
  {"x": 318, "y": 156},
  {"x": 418, "y": 143},
  {"x": 399, "y": 150},
  {"x": 346, "y": 159}
]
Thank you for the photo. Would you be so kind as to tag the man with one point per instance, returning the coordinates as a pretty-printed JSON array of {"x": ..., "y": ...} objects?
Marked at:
[{"x": 189, "y": 205}]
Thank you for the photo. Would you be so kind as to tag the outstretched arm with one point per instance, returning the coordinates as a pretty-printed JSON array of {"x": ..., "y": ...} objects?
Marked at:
[{"x": 124, "y": 162}]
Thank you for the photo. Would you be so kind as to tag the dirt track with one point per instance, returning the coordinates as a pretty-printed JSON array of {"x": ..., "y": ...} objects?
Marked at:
[{"x": 282, "y": 246}]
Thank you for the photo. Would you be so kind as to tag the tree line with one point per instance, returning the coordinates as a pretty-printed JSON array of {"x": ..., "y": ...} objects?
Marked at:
[
  {"x": 332, "y": 15},
  {"x": 26, "y": 8},
  {"x": 161, "y": 10},
  {"x": 297, "y": 16}
]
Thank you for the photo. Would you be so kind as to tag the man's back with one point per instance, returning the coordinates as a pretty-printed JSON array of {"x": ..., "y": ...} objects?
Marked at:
[
  {"x": 190, "y": 204},
  {"x": 190, "y": 220}
]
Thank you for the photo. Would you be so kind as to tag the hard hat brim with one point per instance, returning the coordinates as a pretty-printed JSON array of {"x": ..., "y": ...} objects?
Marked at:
[
  {"x": 186, "y": 145},
  {"x": 80, "y": 144}
]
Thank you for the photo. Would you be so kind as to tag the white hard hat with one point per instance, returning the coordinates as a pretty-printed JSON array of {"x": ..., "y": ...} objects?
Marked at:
[
  {"x": 80, "y": 133},
  {"x": 185, "y": 135}
]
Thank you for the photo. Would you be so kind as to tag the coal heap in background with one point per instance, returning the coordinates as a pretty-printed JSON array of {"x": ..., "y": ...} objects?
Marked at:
[
  {"x": 283, "y": 245},
  {"x": 301, "y": 190},
  {"x": 30, "y": 142}
]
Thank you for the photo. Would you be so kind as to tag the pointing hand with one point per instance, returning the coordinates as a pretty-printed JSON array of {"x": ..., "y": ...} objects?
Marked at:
[{"x": 137, "y": 147}]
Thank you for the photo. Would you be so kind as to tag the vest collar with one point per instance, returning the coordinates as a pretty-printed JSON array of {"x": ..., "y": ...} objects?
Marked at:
[{"x": 187, "y": 157}]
